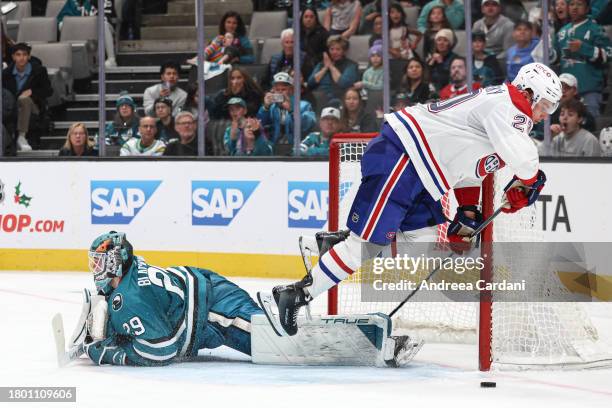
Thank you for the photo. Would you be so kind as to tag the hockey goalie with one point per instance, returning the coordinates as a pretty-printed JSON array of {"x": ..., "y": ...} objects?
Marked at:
[{"x": 144, "y": 315}]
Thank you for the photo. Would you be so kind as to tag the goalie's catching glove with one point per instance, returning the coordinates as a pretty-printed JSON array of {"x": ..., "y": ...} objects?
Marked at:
[
  {"x": 519, "y": 195},
  {"x": 460, "y": 230}
]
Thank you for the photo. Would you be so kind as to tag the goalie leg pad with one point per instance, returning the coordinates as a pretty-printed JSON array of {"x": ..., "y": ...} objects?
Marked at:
[{"x": 355, "y": 340}]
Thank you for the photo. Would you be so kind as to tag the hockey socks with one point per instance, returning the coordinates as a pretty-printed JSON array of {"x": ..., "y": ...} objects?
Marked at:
[{"x": 336, "y": 265}]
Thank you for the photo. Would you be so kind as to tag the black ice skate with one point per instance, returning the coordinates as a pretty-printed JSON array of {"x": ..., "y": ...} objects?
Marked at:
[{"x": 288, "y": 299}]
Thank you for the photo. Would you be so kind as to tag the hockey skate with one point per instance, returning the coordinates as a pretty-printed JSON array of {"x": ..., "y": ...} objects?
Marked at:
[{"x": 287, "y": 300}]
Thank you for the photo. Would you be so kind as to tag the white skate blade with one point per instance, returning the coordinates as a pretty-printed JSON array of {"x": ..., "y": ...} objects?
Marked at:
[{"x": 270, "y": 309}]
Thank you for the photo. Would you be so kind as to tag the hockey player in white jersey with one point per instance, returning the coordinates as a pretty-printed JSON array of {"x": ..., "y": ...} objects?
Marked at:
[{"x": 421, "y": 153}]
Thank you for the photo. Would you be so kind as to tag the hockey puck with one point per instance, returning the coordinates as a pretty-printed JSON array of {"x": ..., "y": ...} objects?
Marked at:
[{"x": 488, "y": 384}]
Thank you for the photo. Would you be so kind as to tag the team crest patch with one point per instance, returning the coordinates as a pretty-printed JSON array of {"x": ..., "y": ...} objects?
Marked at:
[
  {"x": 117, "y": 302},
  {"x": 355, "y": 217},
  {"x": 390, "y": 235},
  {"x": 489, "y": 164}
]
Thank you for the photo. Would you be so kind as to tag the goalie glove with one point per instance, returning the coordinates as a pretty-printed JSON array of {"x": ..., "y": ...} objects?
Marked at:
[
  {"x": 459, "y": 231},
  {"x": 519, "y": 195}
]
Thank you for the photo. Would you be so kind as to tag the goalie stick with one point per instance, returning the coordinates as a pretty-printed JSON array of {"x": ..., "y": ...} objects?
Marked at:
[
  {"x": 476, "y": 232},
  {"x": 77, "y": 341},
  {"x": 64, "y": 356}
]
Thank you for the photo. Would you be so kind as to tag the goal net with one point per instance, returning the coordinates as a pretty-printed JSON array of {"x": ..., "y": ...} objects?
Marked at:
[{"x": 510, "y": 335}]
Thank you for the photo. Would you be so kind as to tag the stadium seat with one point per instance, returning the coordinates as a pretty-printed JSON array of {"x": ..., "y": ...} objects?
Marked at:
[
  {"x": 374, "y": 102},
  {"x": 321, "y": 14},
  {"x": 266, "y": 24},
  {"x": 271, "y": 46},
  {"x": 608, "y": 29},
  {"x": 461, "y": 44},
  {"x": 54, "y": 7},
  {"x": 259, "y": 73},
  {"x": 244, "y": 8},
  {"x": 12, "y": 19},
  {"x": 358, "y": 49},
  {"x": 57, "y": 58},
  {"x": 82, "y": 34},
  {"x": 412, "y": 15},
  {"x": 37, "y": 29}
]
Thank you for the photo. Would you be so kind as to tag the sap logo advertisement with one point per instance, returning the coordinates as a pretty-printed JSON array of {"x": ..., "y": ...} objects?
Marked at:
[
  {"x": 308, "y": 204},
  {"x": 219, "y": 202},
  {"x": 119, "y": 201}
]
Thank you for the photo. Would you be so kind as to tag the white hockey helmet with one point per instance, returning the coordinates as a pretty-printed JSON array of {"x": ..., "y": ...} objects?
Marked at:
[{"x": 543, "y": 83}]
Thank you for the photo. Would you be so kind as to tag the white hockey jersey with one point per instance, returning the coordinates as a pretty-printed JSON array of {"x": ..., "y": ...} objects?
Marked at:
[{"x": 455, "y": 142}]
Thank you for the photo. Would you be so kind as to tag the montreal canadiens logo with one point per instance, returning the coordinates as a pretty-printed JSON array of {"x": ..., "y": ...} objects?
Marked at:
[
  {"x": 117, "y": 302},
  {"x": 355, "y": 217},
  {"x": 489, "y": 164},
  {"x": 390, "y": 235}
]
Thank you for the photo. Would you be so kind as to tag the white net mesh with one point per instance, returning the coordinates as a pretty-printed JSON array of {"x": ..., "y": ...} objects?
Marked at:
[{"x": 524, "y": 335}]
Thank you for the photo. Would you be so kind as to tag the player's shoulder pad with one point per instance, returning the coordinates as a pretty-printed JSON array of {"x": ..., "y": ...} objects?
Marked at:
[{"x": 519, "y": 101}]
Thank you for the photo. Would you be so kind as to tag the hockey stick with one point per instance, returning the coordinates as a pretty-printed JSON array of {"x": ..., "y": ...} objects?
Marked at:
[
  {"x": 476, "y": 232},
  {"x": 64, "y": 356}
]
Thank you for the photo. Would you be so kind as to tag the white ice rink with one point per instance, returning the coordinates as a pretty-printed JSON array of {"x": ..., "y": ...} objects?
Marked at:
[{"x": 442, "y": 375}]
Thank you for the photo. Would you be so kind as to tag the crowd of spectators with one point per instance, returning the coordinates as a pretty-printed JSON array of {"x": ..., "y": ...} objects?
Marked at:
[{"x": 337, "y": 93}]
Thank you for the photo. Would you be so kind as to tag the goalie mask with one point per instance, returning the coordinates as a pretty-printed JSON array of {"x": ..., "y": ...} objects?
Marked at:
[
  {"x": 544, "y": 84},
  {"x": 110, "y": 256}
]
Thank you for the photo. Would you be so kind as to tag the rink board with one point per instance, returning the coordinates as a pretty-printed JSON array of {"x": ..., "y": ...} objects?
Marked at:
[{"x": 240, "y": 218}]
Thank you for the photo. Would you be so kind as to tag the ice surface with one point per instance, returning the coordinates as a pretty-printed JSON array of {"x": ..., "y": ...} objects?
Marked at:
[{"x": 442, "y": 375}]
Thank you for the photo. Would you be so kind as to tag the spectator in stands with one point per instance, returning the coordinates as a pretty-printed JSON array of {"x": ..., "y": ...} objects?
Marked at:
[
  {"x": 9, "y": 117},
  {"x": 372, "y": 79},
  {"x": 231, "y": 22},
  {"x": 147, "y": 144},
  {"x": 452, "y": 9},
  {"x": 336, "y": 72},
  {"x": 313, "y": 36},
  {"x": 439, "y": 61},
  {"x": 458, "y": 78},
  {"x": 131, "y": 20},
  {"x": 27, "y": 79},
  {"x": 78, "y": 143},
  {"x": 401, "y": 45},
  {"x": 187, "y": 143},
  {"x": 283, "y": 61},
  {"x": 78, "y": 8},
  {"x": 167, "y": 88},
  {"x": 125, "y": 123},
  {"x": 342, "y": 18},
  {"x": 368, "y": 16},
  {"x": 415, "y": 85},
  {"x": 486, "y": 68},
  {"x": 241, "y": 85},
  {"x": 220, "y": 50},
  {"x": 436, "y": 21},
  {"x": 522, "y": 52},
  {"x": 560, "y": 14},
  {"x": 165, "y": 129},
  {"x": 354, "y": 117},
  {"x": 574, "y": 140},
  {"x": 317, "y": 143},
  {"x": 376, "y": 31},
  {"x": 584, "y": 49},
  {"x": 497, "y": 27},
  {"x": 569, "y": 86},
  {"x": 245, "y": 136},
  {"x": 276, "y": 113}
]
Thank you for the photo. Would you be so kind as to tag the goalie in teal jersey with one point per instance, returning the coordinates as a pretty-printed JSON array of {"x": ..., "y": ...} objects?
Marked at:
[{"x": 158, "y": 316}]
